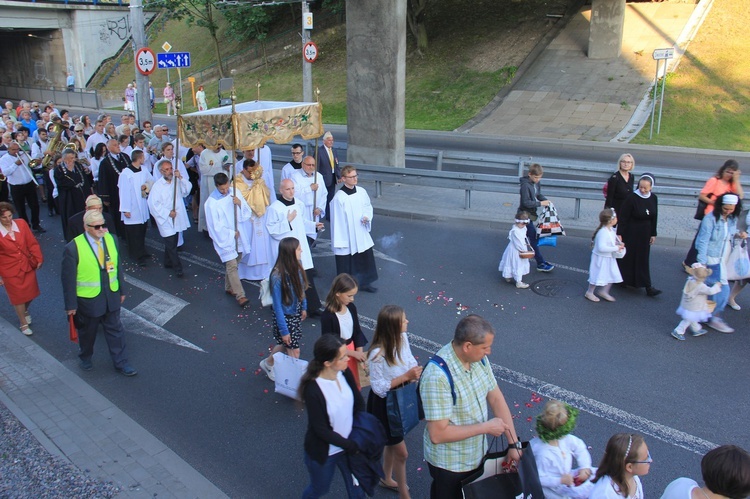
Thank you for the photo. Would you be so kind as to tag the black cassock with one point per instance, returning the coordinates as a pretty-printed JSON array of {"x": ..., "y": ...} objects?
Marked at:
[
  {"x": 637, "y": 224},
  {"x": 73, "y": 187},
  {"x": 107, "y": 189}
]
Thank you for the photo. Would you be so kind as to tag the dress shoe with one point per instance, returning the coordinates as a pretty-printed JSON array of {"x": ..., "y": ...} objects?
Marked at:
[
  {"x": 85, "y": 364},
  {"x": 126, "y": 370},
  {"x": 39, "y": 230},
  {"x": 651, "y": 291},
  {"x": 368, "y": 289},
  {"x": 242, "y": 302},
  {"x": 229, "y": 292}
]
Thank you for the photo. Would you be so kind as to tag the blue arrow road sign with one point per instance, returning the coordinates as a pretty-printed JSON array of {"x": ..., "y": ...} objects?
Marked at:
[{"x": 173, "y": 60}]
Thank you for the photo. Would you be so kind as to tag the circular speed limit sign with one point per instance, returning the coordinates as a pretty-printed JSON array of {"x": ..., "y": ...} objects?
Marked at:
[
  {"x": 310, "y": 52},
  {"x": 145, "y": 61}
]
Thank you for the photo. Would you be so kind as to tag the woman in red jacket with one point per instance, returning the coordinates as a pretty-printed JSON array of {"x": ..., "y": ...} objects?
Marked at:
[{"x": 20, "y": 258}]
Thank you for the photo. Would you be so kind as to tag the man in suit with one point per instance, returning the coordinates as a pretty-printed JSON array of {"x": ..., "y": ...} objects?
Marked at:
[
  {"x": 75, "y": 223},
  {"x": 328, "y": 166},
  {"x": 92, "y": 290}
]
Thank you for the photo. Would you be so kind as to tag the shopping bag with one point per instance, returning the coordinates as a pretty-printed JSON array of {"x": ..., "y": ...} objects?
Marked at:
[
  {"x": 288, "y": 372},
  {"x": 548, "y": 223},
  {"x": 547, "y": 241},
  {"x": 737, "y": 264},
  {"x": 72, "y": 331},
  {"x": 497, "y": 479},
  {"x": 363, "y": 369},
  {"x": 403, "y": 413},
  {"x": 265, "y": 293}
]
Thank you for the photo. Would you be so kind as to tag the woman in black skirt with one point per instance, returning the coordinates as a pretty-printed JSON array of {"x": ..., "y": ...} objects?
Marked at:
[{"x": 391, "y": 366}]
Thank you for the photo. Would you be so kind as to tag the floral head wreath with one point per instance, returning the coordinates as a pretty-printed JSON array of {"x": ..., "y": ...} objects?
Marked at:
[{"x": 546, "y": 434}]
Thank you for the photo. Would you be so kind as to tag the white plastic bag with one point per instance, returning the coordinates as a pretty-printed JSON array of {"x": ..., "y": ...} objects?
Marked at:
[{"x": 288, "y": 372}]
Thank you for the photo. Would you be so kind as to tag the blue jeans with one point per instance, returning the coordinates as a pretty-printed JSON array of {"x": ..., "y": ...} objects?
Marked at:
[
  {"x": 531, "y": 235},
  {"x": 722, "y": 297},
  {"x": 321, "y": 476}
]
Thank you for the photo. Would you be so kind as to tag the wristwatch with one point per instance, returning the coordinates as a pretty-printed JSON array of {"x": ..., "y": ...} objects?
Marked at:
[{"x": 517, "y": 445}]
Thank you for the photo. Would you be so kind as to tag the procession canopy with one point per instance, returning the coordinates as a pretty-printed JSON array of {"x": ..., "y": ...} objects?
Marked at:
[{"x": 255, "y": 123}]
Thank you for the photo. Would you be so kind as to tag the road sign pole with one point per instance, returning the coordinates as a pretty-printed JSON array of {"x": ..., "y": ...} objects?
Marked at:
[
  {"x": 661, "y": 102},
  {"x": 653, "y": 100},
  {"x": 137, "y": 23},
  {"x": 307, "y": 86}
]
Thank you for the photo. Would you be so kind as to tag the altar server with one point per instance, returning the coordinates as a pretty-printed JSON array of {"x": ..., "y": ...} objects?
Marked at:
[
  {"x": 167, "y": 208},
  {"x": 211, "y": 163},
  {"x": 133, "y": 186}
]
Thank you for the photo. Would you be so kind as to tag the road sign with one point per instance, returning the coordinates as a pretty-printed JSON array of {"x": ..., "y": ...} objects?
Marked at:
[
  {"x": 173, "y": 60},
  {"x": 307, "y": 20},
  {"x": 661, "y": 54},
  {"x": 310, "y": 52},
  {"x": 166, "y": 47},
  {"x": 145, "y": 61}
]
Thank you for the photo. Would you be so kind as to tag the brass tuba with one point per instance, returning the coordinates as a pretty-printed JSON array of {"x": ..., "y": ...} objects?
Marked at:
[{"x": 56, "y": 144}]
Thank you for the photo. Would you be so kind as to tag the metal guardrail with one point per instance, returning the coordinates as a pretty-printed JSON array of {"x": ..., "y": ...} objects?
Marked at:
[{"x": 60, "y": 96}]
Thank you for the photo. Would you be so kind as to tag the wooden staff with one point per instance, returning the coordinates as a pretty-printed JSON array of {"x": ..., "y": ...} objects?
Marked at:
[
  {"x": 176, "y": 158},
  {"x": 234, "y": 173},
  {"x": 315, "y": 175}
]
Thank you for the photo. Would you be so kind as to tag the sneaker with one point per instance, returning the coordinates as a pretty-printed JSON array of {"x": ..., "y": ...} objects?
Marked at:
[
  {"x": 545, "y": 267},
  {"x": 678, "y": 336},
  {"x": 719, "y": 325},
  {"x": 267, "y": 369},
  {"x": 26, "y": 330},
  {"x": 699, "y": 332},
  {"x": 522, "y": 285}
]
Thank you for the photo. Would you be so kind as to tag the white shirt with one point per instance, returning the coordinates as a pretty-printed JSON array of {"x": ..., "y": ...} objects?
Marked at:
[
  {"x": 303, "y": 191},
  {"x": 94, "y": 139},
  {"x": 17, "y": 174},
  {"x": 220, "y": 223},
  {"x": 381, "y": 373},
  {"x": 339, "y": 405},
  {"x": 556, "y": 461},
  {"x": 605, "y": 488},
  {"x": 681, "y": 488},
  {"x": 38, "y": 148},
  {"x": 160, "y": 201},
  {"x": 279, "y": 228},
  {"x": 349, "y": 235}
]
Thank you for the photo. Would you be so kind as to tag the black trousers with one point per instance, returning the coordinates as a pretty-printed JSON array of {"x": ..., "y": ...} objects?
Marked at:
[
  {"x": 23, "y": 194},
  {"x": 311, "y": 294},
  {"x": 446, "y": 484},
  {"x": 136, "y": 236},
  {"x": 113, "y": 333},
  {"x": 171, "y": 257}
]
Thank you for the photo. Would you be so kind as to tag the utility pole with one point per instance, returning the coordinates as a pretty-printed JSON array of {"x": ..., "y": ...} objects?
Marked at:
[
  {"x": 307, "y": 87},
  {"x": 142, "y": 96}
]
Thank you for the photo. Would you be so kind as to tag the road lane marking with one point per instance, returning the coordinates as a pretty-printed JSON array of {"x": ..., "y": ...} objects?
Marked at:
[{"x": 148, "y": 317}]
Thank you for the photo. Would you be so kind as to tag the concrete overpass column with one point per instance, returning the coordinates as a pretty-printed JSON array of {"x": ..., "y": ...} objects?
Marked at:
[
  {"x": 605, "y": 32},
  {"x": 376, "y": 80}
]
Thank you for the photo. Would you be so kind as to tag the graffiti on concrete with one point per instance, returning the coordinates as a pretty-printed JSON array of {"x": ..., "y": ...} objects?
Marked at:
[{"x": 115, "y": 28}]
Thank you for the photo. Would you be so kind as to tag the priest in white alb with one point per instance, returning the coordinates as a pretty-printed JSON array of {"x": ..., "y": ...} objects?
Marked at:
[
  {"x": 256, "y": 264},
  {"x": 166, "y": 206},
  {"x": 267, "y": 171},
  {"x": 134, "y": 184},
  {"x": 264, "y": 158},
  {"x": 351, "y": 219},
  {"x": 286, "y": 218},
  {"x": 211, "y": 163},
  {"x": 229, "y": 241},
  {"x": 310, "y": 189}
]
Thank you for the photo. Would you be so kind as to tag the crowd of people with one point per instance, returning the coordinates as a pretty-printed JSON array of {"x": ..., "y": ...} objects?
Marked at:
[{"x": 108, "y": 182}]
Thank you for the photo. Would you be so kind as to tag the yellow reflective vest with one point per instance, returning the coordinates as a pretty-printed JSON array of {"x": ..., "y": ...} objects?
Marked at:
[{"x": 88, "y": 277}]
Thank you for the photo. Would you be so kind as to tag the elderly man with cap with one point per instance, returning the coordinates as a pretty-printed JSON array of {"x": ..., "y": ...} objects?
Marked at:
[
  {"x": 75, "y": 222},
  {"x": 166, "y": 206},
  {"x": 93, "y": 292}
]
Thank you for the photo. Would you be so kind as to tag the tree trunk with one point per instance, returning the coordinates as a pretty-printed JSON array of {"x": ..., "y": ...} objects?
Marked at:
[
  {"x": 212, "y": 28},
  {"x": 415, "y": 15}
]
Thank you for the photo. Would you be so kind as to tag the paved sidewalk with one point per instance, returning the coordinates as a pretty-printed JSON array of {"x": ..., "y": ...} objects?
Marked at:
[
  {"x": 75, "y": 422},
  {"x": 565, "y": 95}
]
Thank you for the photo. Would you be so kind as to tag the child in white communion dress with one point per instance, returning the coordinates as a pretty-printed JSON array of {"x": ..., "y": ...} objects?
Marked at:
[
  {"x": 511, "y": 264},
  {"x": 554, "y": 450}
]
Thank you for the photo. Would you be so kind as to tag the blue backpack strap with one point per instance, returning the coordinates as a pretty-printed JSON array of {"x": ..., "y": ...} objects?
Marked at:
[{"x": 440, "y": 362}]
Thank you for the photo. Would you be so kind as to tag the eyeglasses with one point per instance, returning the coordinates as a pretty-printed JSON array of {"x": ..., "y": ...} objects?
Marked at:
[
  {"x": 98, "y": 227},
  {"x": 648, "y": 460}
]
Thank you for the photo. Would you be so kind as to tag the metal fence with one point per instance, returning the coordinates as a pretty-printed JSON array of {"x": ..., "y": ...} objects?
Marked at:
[{"x": 60, "y": 96}]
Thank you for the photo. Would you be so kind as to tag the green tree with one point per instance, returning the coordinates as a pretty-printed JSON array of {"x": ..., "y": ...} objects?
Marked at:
[
  {"x": 251, "y": 22},
  {"x": 200, "y": 13},
  {"x": 415, "y": 17}
]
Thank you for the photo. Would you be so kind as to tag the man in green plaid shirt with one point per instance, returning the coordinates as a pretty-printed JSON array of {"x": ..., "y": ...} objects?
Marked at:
[{"x": 455, "y": 438}]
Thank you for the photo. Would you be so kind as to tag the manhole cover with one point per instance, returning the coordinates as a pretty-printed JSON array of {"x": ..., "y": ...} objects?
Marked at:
[{"x": 558, "y": 288}]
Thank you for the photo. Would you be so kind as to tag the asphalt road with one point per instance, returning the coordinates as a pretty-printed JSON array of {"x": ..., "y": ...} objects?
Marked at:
[{"x": 614, "y": 360}]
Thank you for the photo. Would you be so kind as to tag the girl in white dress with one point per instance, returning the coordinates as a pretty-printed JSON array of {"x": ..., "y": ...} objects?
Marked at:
[
  {"x": 391, "y": 366},
  {"x": 625, "y": 459},
  {"x": 694, "y": 304},
  {"x": 511, "y": 264},
  {"x": 603, "y": 270},
  {"x": 554, "y": 450}
]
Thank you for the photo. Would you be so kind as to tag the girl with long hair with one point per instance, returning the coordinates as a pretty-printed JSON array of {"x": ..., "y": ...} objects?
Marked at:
[
  {"x": 625, "y": 459},
  {"x": 603, "y": 269},
  {"x": 392, "y": 365},
  {"x": 288, "y": 282},
  {"x": 340, "y": 318},
  {"x": 331, "y": 397}
]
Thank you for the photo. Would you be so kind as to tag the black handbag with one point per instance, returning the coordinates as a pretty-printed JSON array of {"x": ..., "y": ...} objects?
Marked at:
[
  {"x": 700, "y": 212},
  {"x": 498, "y": 480}
]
